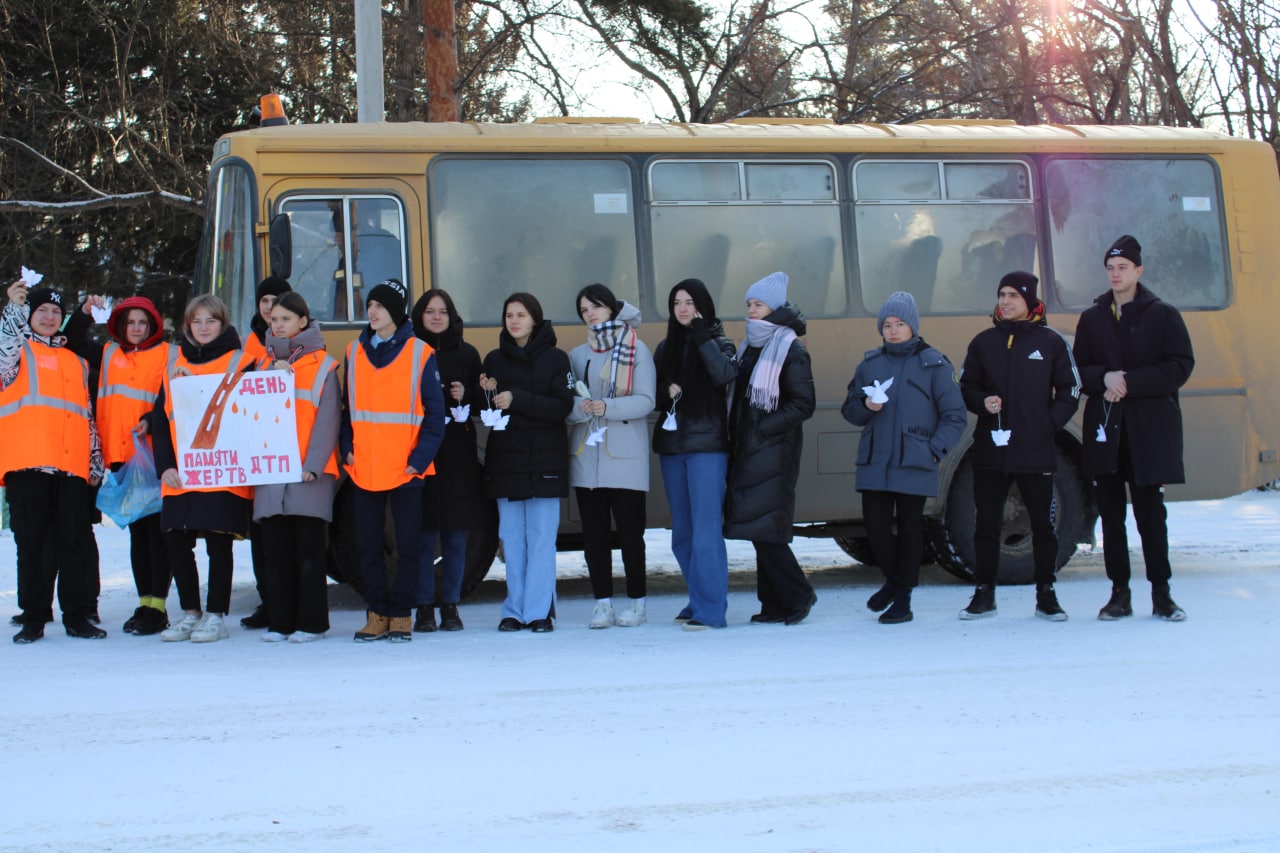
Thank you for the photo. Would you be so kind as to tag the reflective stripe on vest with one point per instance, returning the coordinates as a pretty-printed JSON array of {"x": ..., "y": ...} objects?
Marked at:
[
  {"x": 46, "y": 418},
  {"x": 384, "y": 438},
  {"x": 229, "y": 363},
  {"x": 308, "y": 400},
  {"x": 120, "y": 404}
]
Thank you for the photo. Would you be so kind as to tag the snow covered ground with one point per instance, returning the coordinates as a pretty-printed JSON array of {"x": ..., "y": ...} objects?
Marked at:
[{"x": 836, "y": 735}]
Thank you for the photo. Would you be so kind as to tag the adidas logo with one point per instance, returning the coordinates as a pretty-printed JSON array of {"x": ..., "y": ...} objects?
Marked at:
[{"x": 1035, "y": 356}]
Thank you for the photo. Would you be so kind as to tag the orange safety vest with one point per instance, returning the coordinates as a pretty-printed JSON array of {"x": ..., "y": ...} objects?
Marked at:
[
  {"x": 255, "y": 350},
  {"x": 232, "y": 362},
  {"x": 386, "y": 410},
  {"x": 46, "y": 413},
  {"x": 309, "y": 375},
  {"x": 128, "y": 385}
]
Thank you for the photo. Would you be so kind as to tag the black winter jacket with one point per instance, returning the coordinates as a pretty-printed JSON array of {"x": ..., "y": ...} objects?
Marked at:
[
  {"x": 1150, "y": 343},
  {"x": 1028, "y": 365},
  {"x": 530, "y": 458},
  {"x": 764, "y": 457},
  {"x": 699, "y": 429}
]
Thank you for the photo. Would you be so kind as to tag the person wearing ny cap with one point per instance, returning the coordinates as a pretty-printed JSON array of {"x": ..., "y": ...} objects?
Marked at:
[
  {"x": 49, "y": 457},
  {"x": 904, "y": 438},
  {"x": 772, "y": 397},
  {"x": 1134, "y": 353},
  {"x": 1021, "y": 382},
  {"x": 393, "y": 417}
]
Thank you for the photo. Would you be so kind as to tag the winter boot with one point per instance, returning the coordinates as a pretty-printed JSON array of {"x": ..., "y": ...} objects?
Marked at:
[
  {"x": 400, "y": 629},
  {"x": 82, "y": 628},
  {"x": 983, "y": 603},
  {"x": 1120, "y": 605},
  {"x": 375, "y": 628},
  {"x": 899, "y": 611},
  {"x": 1047, "y": 606},
  {"x": 1163, "y": 605},
  {"x": 882, "y": 597},
  {"x": 257, "y": 620},
  {"x": 426, "y": 621},
  {"x": 449, "y": 618},
  {"x": 31, "y": 631}
]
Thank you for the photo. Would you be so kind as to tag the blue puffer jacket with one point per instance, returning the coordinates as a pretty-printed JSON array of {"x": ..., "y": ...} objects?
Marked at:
[{"x": 903, "y": 443}]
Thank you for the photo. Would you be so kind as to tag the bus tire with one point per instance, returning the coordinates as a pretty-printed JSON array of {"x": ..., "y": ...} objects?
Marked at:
[
  {"x": 951, "y": 535},
  {"x": 343, "y": 563},
  {"x": 858, "y": 547}
]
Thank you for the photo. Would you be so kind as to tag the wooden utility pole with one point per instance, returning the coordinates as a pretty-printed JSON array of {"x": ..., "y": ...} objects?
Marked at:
[{"x": 441, "y": 50}]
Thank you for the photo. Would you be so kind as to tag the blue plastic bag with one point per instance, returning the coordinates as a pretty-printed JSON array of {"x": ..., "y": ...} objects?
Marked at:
[{"x": 133, "y": 492}]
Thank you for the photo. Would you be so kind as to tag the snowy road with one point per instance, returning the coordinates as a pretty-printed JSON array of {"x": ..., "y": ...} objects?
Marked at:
[{"x": 836, "y": 735}]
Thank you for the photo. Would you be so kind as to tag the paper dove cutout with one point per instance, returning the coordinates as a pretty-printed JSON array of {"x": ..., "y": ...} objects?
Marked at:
[
  {"x": 1101, "y": 437},
  {"x": 876, "y": 393},
  {"x": 103, "y": 314},
  {"x": 30, "y": 277},
  {"x": 596, "y": 436},
  {"x": 580, "y": 388},
  {"x": 670, "y": 423},
  {"x": 461, "y": 413},
  {"x": 494, "y": 418},
  {"x": 1001, "y": 436}
]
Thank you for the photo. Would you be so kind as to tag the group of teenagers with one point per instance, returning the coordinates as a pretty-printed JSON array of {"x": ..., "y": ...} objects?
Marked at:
[{"x": 397, "y": 413}]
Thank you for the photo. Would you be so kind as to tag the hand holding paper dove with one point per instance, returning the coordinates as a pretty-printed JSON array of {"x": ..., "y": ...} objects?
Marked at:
[{"x": 876, "y": 391}]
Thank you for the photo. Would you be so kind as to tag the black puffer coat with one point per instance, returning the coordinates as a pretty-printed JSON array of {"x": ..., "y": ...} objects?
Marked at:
[
  {"x": 764, "y": 457},
  {"x": 1151, "y": 345},
  {"x": 701, "y": 425},
  {"x": 530, "y": 458}
]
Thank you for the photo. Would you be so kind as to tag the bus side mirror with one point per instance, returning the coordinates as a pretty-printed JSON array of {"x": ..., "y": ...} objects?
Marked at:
[{"x": 280, "y": 246}]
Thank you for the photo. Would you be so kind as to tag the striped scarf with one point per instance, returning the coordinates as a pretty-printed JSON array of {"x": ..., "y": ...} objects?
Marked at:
[
  {"x": 618, "y": 337},
  {"x": 774, "y": 343}
]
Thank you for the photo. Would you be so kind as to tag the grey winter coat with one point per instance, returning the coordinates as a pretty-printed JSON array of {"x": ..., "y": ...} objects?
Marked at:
[
  {"x": 313, "y": 499},
  {"x": 621, "y": 459},
  {"x": 904, "y": 441}
]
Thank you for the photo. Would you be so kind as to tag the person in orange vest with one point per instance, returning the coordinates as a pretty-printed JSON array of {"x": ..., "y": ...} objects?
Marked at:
[
  {"x": 269, "y": 290},
  {"x": 48, "y": 459},
  {"x": 392, "y": 424},
  {"x": 130, "y": 370},
  {"x": 292, "y": 517},
  {"x": 209, "y": 345}
]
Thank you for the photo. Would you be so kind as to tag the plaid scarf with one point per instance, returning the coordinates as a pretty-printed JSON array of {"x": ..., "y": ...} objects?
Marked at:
[
  {"x": 617, "y": 336},
  {"x": 774, "y": 343}
]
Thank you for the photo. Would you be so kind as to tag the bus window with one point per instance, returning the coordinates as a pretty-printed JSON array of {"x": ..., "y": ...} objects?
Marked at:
[
  {"x": 546, "y": 227},
  {"x": 766, "y": 216},
  {"x": 945, "y": 231},
  {"x": 228, "y": 244},
  {"x": 1173, "y": 207},
  {"x": 335, "y": 266}
]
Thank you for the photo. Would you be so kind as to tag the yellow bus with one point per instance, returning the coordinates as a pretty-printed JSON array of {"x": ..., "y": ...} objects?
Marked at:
[{"x": 850, "y": 212}]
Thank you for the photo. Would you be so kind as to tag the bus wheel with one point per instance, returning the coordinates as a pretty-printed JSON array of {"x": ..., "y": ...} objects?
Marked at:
[
  {"x": 344, "y": 555},
  {"x": 858, "y": 547},
  {"x": 951, "y": 535}
]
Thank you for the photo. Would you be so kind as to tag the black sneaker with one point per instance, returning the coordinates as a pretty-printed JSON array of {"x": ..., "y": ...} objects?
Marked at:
[
  {"x": 542, "y": 626},
  {"x": 81, "y": 628},
  {"x": 132, "y": 622},
  {"x": 29, "y": 633},
  {"x": 426, "y": 621},
  {"x": 1047, "y": 606},
  {"x": 899, "y": 611},
  {"x": 257, "y": 620},
  {"x": 1164, "y": 606},
  {"x": 449, "y": 618},
  {"x": 684, "y": 615},
  {"x": 510, "y": 624},
  {"x": 882, "y": 597},
  {"x": 1120, "y": 605},
  {"x": 151, "y": 622},
  {"x": 983, "y": 603}
]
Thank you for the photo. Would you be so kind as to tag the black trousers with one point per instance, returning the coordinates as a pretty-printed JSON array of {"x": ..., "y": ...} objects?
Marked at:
[
  {"x": 181, "y": 547},
  {"x": 149, "y": 558},
  {"x": 898, "y": 553},
  {"x": 990, "y": 490},
  {"x": 49, "y": 514},
  {"x": 293, "y": 573},
  {"x": 1149, "y": 513},
  {"x": 781, "y": 584},
  {"x": 382, "y": 596},
  {"x": 627, "y": 507}
]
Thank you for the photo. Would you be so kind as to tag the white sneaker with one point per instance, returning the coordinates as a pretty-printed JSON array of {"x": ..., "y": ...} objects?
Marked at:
[
  {"x": 602, "y": 616},
  {"x": 211, "y": 629},
  {"x": 632, "y": 616},
  {"x": 274, "y": 637},
  {"x": 305, "y": 637},
  {"x": 181, "y": 630}
]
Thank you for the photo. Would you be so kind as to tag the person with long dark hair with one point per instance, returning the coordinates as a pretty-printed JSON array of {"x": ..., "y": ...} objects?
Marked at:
[
  {"x": 695, "y": 364},
  {"x": 529, "y": 384},
  {"x": 609, "y": 465}
]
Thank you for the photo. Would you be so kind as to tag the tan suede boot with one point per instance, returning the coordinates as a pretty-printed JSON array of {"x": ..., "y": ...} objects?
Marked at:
[
  {"x": 401, "y": 629},
  {"x": 374, "y": 629}
]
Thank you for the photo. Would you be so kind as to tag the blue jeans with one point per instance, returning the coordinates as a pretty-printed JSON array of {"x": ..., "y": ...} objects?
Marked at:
[
  {"x": 453, "y": 557},
  {"x": 694, "y": 483},
  {"x": 528, "y": 531}
]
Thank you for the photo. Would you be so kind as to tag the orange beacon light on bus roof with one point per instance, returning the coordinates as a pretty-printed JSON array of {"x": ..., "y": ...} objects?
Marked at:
[{"x": 272, "y": 111}]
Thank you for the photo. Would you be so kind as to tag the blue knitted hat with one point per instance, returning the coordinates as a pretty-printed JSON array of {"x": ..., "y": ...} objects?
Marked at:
[
  {"x": 903, "y": 306},
  {"x": 771, "y": 290}
]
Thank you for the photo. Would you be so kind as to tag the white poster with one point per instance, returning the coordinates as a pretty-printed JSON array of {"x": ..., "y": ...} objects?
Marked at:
[{"x": 236, "y": 430}]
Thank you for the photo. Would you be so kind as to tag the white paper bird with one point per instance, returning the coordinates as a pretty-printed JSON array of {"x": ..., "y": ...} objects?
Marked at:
[
  {"x": 462, "y": 413},
  {"x": 596, "y": 436},
  {"x": 1001, "y": 436},
  {"x": 494, "y": 418},
  {"x": 103, "y": 314},
  {"x": 30, "y": 277},
  {"x": 876, "y": 392}
]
